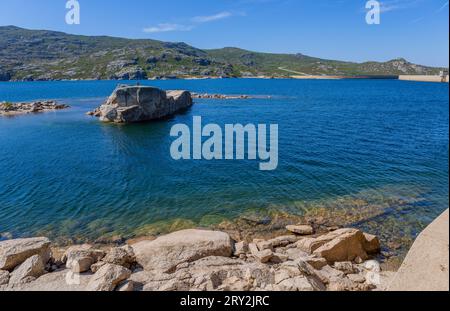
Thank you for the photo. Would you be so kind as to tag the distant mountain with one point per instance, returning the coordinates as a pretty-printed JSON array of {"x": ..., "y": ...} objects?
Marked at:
[{"x": 49, "y": 55}]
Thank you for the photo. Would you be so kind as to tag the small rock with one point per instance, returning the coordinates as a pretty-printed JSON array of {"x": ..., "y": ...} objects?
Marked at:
[
  {"x": 4, "y": 277},
  {"x": 372, "y": 244},
  {"x": 236, "y": 284},
  {"x": 264, "y": 256},
  {"x": 126, "y": 286},
  {"x": 122, "y": 256},
  {"x": 297, "y": 284},
  {"x": 316, "y": 263},
  {"x": 240, "y": 248},
  {"x": 278, "y": 258},
  {"x": 263, "y": 245},
  {"x": 327, "y": 274},
  {"x": 80, "y": 264},
  {"x": 33, "y": 268},
  {"x": 108, "y": 277},
  {"x": 96, "y": 266},
  {"x": 73, "y": 249},
  {"x": 253, "y": 249},
  {"x": 357, "y": 278},
  {"x": 81, "y": 260},
  {"x": 301, "y": 229},
  {"x": 346, "y": 267},
  {"x": 341, "y": 285},
  {"x": 283, "y": 240},
  {"x": 295, "y": 253},
  {"x": 345, "y": 245}
]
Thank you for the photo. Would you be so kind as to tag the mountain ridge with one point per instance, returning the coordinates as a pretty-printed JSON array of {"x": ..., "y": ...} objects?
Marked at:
[{"x": 28, "y": 55}]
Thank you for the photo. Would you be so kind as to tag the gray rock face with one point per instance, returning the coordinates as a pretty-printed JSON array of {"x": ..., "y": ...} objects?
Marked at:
[
  {"x": 130, "y": 104},
  {"x": 15, "y": 252},
  {"x": 167, "y": 252}
]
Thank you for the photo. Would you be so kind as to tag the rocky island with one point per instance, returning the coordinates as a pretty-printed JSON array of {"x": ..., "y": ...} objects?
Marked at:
[
  {"x": 12, "y": 109},
  {"x": 129, "y": 104},
  {"x": 197, "y": 259}
]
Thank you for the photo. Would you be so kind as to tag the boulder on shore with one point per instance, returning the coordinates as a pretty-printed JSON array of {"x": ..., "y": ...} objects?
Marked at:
[
  {"x": 129, "y": 104},
  {"x": 15, "y": 252},
  {"x": 108, "y": 277},
  {"x": 168, "y": 251},
  {"x": 28, "y": 271}
]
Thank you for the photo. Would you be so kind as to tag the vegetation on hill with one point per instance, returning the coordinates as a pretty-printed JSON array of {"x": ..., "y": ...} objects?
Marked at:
[{"x": 49, "y": 55}]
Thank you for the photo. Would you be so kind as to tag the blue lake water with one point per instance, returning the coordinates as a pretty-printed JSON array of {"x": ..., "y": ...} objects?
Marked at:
[{"x": 380, "y": 141}]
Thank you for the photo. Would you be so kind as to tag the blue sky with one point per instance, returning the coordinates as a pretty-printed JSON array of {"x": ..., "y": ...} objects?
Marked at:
[{"x": 414, "y": 29}]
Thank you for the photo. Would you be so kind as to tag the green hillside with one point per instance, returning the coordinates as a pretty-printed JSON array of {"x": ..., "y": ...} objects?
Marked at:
[{"x": 49, "y": 55}]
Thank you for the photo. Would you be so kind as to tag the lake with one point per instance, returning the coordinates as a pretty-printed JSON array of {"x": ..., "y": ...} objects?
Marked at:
[{"x": 343, "y": 145}]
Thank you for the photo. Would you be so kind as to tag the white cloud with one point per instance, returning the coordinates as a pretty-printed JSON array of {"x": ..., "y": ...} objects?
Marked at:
[
  {"x": 166, "y": 27},
  {"x": 211, "y": 18}
]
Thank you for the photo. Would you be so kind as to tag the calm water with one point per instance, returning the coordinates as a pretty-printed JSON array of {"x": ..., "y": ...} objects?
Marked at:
[{"x": 382, "y": 142}]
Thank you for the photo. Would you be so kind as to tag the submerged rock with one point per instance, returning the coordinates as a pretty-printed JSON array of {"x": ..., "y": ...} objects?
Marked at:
[
  {"x": 301, "y": 229},
  {"x": 130, "y": 104}
]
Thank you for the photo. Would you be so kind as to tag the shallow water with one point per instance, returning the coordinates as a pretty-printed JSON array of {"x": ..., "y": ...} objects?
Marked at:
[{"x": 385, "y": 142}]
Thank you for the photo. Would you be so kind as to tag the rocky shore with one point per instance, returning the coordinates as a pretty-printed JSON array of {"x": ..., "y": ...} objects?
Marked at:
[
  {"x": 11, "y": 109},
  {"x": 194, "y": 259}
]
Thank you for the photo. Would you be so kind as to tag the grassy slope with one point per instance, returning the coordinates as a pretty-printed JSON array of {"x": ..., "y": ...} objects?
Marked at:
[{"x": 42, "y": 54}]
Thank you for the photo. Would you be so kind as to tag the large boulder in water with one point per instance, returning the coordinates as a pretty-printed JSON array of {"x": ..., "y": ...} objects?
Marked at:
[{"x": 130, "y": 104}]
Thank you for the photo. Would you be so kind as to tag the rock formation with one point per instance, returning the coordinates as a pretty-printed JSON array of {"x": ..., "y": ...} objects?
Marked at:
[
  {"x": 196, "y": 260},
  {"x": 129, "y": 104},
  {"x": 9, "y": 109}
]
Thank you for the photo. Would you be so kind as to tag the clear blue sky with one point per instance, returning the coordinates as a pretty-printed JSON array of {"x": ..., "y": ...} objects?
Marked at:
[{"x": 414, "y": 29}]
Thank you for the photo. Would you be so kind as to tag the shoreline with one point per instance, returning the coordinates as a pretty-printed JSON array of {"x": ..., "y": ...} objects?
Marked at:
[
  {"x": 301, "y": 260},
  {"x": 417, "y": 78},
  {"x": 341, "y": 259}
]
